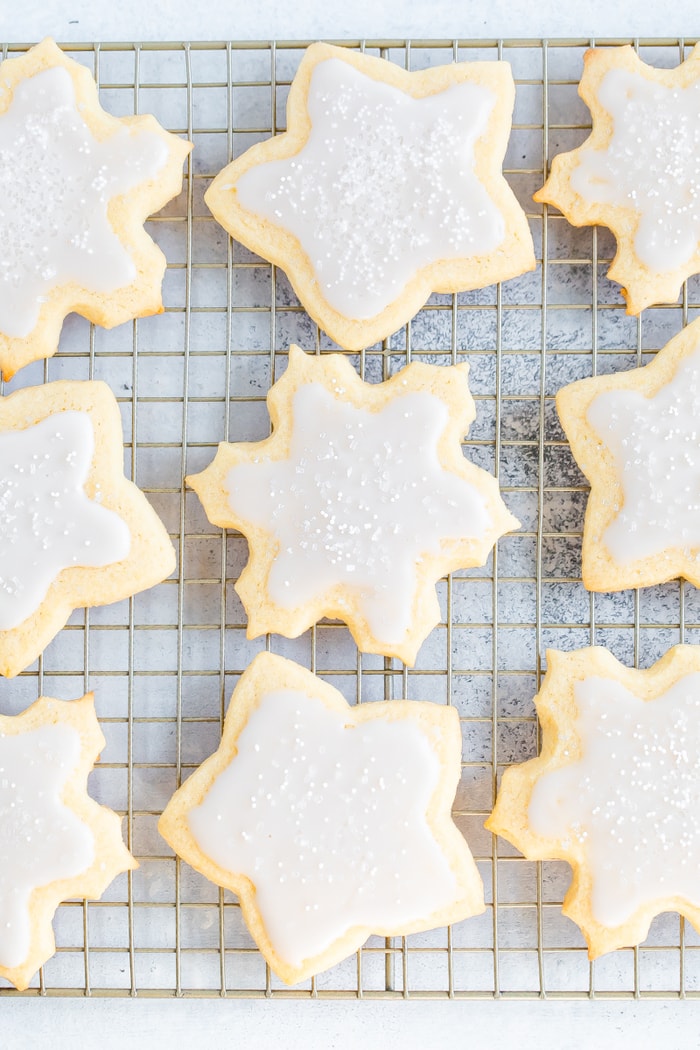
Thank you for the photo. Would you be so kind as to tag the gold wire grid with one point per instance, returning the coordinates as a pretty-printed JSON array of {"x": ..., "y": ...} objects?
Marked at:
[{"x": 164, "y": 663}]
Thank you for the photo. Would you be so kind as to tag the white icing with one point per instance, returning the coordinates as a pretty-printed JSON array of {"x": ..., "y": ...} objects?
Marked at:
[
  {"x": 633, "y": 799},
  {"x": 56, "y": 181},
  {"x": 361, "y": 498},
  {"x": 384, "y": 185},
  {"x": 655, "y": 442},
  {"x": 650, "y": 165},
  {"x": 47, "y": 523},
  {"x": 41, "y": 840},
  {"x": 328, "y": 820}
]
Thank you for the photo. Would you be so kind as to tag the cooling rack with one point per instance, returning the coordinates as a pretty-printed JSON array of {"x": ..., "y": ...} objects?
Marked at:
[{"x": 164, "y": 663}]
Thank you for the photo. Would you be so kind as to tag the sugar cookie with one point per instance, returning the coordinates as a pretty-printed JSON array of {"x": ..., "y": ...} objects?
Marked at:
[
  {"x": 635, "y": 437},
  {"x": 358, "y": 502},
  {"x": 386, "y": 186},
  {"x": 615, "y": 791},
  {"x": 637, "y": 172},
  {"x": 73, "y": 531},
  {"x": 56, "y": 842},
  {"x": 76, "y": 186},
  {"x": 330, "y": 822}
]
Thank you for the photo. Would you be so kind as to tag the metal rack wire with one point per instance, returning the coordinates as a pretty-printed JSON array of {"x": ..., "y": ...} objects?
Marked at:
[{"x": 164, "y": 663}]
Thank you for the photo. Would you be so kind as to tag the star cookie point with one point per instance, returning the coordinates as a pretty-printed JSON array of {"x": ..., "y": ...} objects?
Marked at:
[
  {"x": 57, "y": 842},
  {"x": 357, "y": 503},
  {"x": 615, "y": 791},
  {"x": 329, "y": 821},
  {"x": 77, "y": 185},
  {"x": 385, "y": 187}
]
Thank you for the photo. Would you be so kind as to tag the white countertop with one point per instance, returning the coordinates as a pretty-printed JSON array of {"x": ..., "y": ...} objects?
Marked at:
[
  {"x": 117, "y": 1023},
  {"x": 332, "y": 1025},
  {"x": 79, "y": 20}
]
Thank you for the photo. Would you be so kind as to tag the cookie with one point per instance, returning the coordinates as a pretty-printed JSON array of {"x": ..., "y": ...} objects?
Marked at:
[
  {"x": 73, "y": 531},
  {"x": 635, "y": 437},
  {"x": 76, "y": 186},
  {"x": 615, "y": 791},
  {"x": 330, "y": 822},
  {"x": 57, "y": 843},
  {"x": 357, "y": 503},
  {"x": 637, "y": 172},
  {"x": 386, "y": 187}
]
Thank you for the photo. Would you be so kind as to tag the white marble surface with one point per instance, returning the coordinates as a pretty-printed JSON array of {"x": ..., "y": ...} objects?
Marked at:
[
  {"x": 348, "y": 1026},
  {"x": 78, "y": 20},
  {"x": 64, "y": 1023}
]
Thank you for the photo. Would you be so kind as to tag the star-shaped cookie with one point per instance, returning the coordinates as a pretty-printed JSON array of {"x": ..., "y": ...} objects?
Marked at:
[
  {"x": 635, "y": 436},
  {"x": 330, "y": 822},
  {"x": 76, "y": 186},
  {"x": 615, "y": 791},
  {"x": 73, "y": 531},
  {"x": 55, "y": 841},
  {"x": 386, "y": 186},
  {"x": 637, "y": 172},
  {"x": 357, "y": 503}
]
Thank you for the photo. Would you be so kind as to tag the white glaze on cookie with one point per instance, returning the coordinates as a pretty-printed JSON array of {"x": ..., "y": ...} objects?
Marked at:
[
  {"x": 47, "y": 523},
  {"x": 650, "y": 165},
  {"x": 633, "y": 798},
  {"x": 56, "y": 181},
  {"x": 383, "y": 186},
  {"x": 328, "y": 821},
  {"x": 655, "y": 442},
  {"x": 41, "y": 840},
  {"x": 360, "y": 498}
]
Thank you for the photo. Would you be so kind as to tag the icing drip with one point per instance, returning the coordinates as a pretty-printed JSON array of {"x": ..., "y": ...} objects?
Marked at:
[
  {"x": 328, "y": 820},
  {"x": 360, "y": 499},
  {"x": 384, "y": 186},
  {"x": 633, "y": 799},
  {"x": 41, "y": 840},
  {"x": 47, "y": 523},
  {"x": 656, "y": 446},
  {"x": 56, "y": 181},
  {"x": 650, "y": 165}
]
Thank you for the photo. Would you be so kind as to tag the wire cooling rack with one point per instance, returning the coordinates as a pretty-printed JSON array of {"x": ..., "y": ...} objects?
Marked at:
[{"x": 164, "y": 663}]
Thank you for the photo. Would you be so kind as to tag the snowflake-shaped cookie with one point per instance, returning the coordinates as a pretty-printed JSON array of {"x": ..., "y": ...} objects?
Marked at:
[
  {"x": 55, "y": 842},
  {"x": 330, "y": 822},
  {"x": 358, "y": 502},
  {"x": 637, "y": 172},
  {"x": 73, "y": 531},
  {"x": 635, "y": 436},
  {"x": 386, "y": 186},
  {"x": 76, "y": 186},
  {"x": 615, "y": 791}
]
